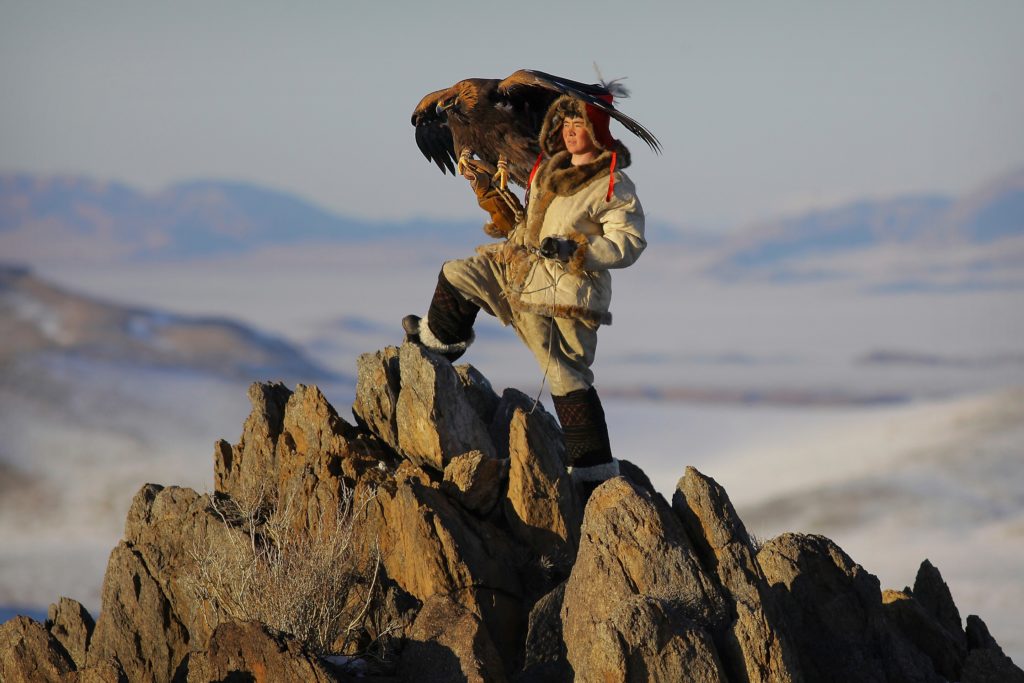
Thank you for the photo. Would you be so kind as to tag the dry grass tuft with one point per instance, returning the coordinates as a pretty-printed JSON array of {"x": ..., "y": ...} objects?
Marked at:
[{"x": 319, "y": 582}]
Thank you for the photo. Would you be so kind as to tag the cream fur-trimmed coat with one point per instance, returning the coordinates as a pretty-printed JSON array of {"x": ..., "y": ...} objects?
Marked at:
[{"x": 572, "y": 202}]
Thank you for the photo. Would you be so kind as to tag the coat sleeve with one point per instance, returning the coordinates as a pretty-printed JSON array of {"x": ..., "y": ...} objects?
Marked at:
[{"x": 622, "y": 239}]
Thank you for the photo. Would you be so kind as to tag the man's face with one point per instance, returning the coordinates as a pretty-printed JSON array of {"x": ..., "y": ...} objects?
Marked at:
[{"x": 577, "y": 139}]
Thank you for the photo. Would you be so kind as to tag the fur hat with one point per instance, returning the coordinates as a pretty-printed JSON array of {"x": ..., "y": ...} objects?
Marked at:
[{"x": 596, "y": 122}]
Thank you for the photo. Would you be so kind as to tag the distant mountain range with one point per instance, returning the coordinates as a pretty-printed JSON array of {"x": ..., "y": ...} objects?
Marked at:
[
  {"x": 38, "y": 318},
  {"x": 905, "y": 243},
  {"x": 46, "y": 218},
  {"x": 198, "y": 218}
]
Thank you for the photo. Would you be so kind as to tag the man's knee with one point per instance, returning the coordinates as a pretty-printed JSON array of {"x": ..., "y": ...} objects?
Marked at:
[
  {"x": 449, "y": 269},
  {"x": 460, "y": 274}
]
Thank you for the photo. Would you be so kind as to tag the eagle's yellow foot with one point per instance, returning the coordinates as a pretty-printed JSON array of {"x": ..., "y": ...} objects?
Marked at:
[
  {"x": 464, "y": 159},
  {"x": 502, "y": 176}
]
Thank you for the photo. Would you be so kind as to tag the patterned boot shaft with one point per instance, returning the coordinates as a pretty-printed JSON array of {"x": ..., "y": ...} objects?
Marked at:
[
  {"x": 448, "y": 327},
  {"x": 584, "y": 428},
  {"x": 451, "y": 315}
]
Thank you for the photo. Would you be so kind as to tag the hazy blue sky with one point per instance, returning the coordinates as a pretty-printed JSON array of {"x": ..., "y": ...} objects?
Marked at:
[{"x": 763, "y": 107}]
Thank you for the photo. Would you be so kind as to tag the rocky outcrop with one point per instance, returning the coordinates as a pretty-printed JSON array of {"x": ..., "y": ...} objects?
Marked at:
[
  {"x": 833, "y": 607},
  {"x": 756, "y": 639},
  {"x": 252, "y": 652},
  {"x": 243, "y": 468},
  {"x": 542, "y": 509},
  {"x": 907, "y": 614},
  {"x": 932, "y": 593},
  {"x": 431, "y": 548},
  {"x": 546, "y": 658},
  {"x": 30, "y": 654},
  {"x": 449, "y": 643},
  {"x": 295, "y": 448},
  {"x": 138, "y": 627},
  {"x": 986, "y": 662},
  {"x": 469, "y": 556},
  {"x": 475, "y": 481},
  {"x": 431, "y": 417},
  {"x": 637, "y": 573},
  {"x": 72, "y": 625},
  {"x": 377, "y": 392}
]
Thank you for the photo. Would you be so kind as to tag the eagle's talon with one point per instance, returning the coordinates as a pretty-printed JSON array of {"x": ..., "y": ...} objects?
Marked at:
[
  {"x": 501, "y": 176},
  {"x": 464, "y": 159}
]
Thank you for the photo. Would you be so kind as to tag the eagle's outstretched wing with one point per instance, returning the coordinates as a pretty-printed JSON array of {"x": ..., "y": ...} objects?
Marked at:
[
  {"x": 525, "y": 81},
  {"x": 433, "y": 136},
  {"x": 499, "y": 122}
]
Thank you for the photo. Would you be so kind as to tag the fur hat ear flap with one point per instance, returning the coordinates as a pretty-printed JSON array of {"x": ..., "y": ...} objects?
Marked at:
[
  {"x": 551, "y": 135},
  {"x": 551, "y": 132}
]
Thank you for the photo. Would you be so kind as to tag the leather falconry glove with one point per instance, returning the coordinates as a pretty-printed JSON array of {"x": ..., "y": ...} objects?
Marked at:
[
  {"x": 494, "y": 202},
  {"x": 558, "y": 249}
]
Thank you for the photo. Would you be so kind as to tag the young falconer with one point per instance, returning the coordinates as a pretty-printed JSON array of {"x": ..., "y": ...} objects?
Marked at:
[{"x": 550, "y": 279}]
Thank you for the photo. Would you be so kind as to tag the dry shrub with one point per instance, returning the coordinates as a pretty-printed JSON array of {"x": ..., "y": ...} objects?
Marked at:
[{"x": 315, "y": 581}]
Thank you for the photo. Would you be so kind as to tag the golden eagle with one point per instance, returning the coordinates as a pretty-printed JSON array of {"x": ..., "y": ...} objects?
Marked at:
[{"x": 499, "y": 121}]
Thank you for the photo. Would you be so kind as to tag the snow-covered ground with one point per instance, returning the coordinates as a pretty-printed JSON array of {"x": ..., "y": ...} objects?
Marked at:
[
  {"x": 897, "y": 456},
  {"x": 79, "y": 440}
]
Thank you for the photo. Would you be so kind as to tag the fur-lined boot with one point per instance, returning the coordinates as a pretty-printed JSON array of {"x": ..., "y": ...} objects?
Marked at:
[
  {"x": 586, "y": 439},
  {"x": 448, "y": 326}
]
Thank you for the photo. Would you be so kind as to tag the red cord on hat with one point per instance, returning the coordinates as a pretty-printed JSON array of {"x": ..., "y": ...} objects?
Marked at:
[{"x": 611, "y": 177}]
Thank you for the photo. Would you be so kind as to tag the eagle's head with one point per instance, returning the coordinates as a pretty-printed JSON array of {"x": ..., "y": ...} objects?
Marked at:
[{"x": 461, "y": 99}]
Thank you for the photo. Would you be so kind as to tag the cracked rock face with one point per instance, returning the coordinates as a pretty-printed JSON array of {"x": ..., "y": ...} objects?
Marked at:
[
  {"x": 138, "y": 626},
  {"x": 541, "y": 507},
  {"x": 436, "y": 420},
  {"x": 72, "y": 625},
  {"x": 646, "y": 639},
  {"x": 423, "y": 407},
  {"x": 30, "y": 654},
  {"x": 447, "y": 642},
  {"x": 377, "y": 393},
  {"x": 431, "y": 548},
  {"x": 637, "y": 568}
]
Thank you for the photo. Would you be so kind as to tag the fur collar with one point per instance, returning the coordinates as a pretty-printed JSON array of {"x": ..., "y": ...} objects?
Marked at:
[{"x": 559, "y": 176}]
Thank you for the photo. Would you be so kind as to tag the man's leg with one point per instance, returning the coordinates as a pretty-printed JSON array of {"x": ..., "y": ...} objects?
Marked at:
[
  {"x": 565, "y": 350},
  {"x": 463, "y": 287},
  {"x": 448, "y": 326},
  {"x": 585, "y": 431}
]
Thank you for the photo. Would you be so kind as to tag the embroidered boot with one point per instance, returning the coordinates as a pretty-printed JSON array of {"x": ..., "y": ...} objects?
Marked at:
[
  {"x": 586, "y": 439},
  {"x": 448, "y": 326}
]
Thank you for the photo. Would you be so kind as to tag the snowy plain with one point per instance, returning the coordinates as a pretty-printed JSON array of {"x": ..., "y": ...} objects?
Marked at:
[{"x": 777, "y": 390}]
